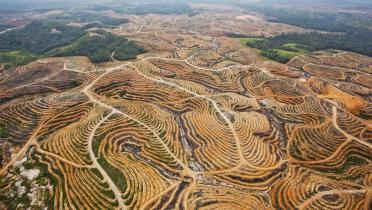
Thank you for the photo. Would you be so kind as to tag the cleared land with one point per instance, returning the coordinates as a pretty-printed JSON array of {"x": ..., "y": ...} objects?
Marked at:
[{"x": 197, "y": 122}]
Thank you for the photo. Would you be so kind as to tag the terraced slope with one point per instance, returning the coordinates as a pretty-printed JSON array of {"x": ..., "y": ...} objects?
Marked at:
[{"x": 207, "y": 126}]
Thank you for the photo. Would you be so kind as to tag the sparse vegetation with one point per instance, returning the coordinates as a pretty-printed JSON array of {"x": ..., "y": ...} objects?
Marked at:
[
  {"x": 74, "y": 83},
  {"x": 93, "y": 19},
  {"x": 3, "y": 131},
  {"x": 156, "y": 8}
]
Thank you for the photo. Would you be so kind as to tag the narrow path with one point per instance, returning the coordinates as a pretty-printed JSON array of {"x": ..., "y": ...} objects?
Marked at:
[
  {"x": 61, "y": 158},
  {"x": 31, "y": 141},
  {"x": 334, "y": 120},
  {"x": 106, "y": 177},
  {"x": 174, "y": 185},
  {"x": 10, "y": 29},
  {"x": 112, "y": 56},
  {"x": 133, "y": 33},
  {"x": 140, "y": 29}
]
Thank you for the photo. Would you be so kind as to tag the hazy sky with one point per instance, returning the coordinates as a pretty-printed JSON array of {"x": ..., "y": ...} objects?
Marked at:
[{"x": 26, "y": 4}]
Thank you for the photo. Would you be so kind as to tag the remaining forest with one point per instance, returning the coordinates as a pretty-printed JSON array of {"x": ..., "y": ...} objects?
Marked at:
[
  {"x": 332, "y": 30},
  {"x": 55, "y": 37}
]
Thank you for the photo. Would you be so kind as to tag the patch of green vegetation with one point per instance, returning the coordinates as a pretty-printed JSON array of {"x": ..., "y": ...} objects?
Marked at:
[
  {"x": 293, "y": 47},
  {"x": 249, "y": 40},
  {"x": 281, "y": 53},
  {"x": 35, "y": 163},
  {"x": 3, "y": 132},
  {"x": 1, "y": 153},
  {"x": 16, "y": 58},
  {"x": 108, "y": 192},
  {"x": 287, "y": 54},
  {"x": 351, "y": 161},
  {"x": 114, "y": 173},
  {"x": 74, "y": 83},
  {"x": 129, "y": 199},
  {"x": 365, "y": 116},
  {"x": 99, "y": 47},
  {"x": 9, "y": 195}
]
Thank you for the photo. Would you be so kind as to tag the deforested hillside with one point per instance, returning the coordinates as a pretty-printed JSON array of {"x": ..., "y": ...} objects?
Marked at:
[{"x": 194, "y": 120}]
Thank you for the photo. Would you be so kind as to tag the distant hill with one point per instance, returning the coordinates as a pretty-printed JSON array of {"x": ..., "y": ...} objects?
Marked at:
[{"x": 338, "y": 3}]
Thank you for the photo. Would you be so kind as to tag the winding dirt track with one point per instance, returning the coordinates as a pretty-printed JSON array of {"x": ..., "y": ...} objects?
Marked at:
[{"x": 106, "y": 177}]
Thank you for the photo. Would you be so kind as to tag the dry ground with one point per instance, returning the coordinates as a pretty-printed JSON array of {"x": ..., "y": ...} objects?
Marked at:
[{"x": 199, "y": 122}]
